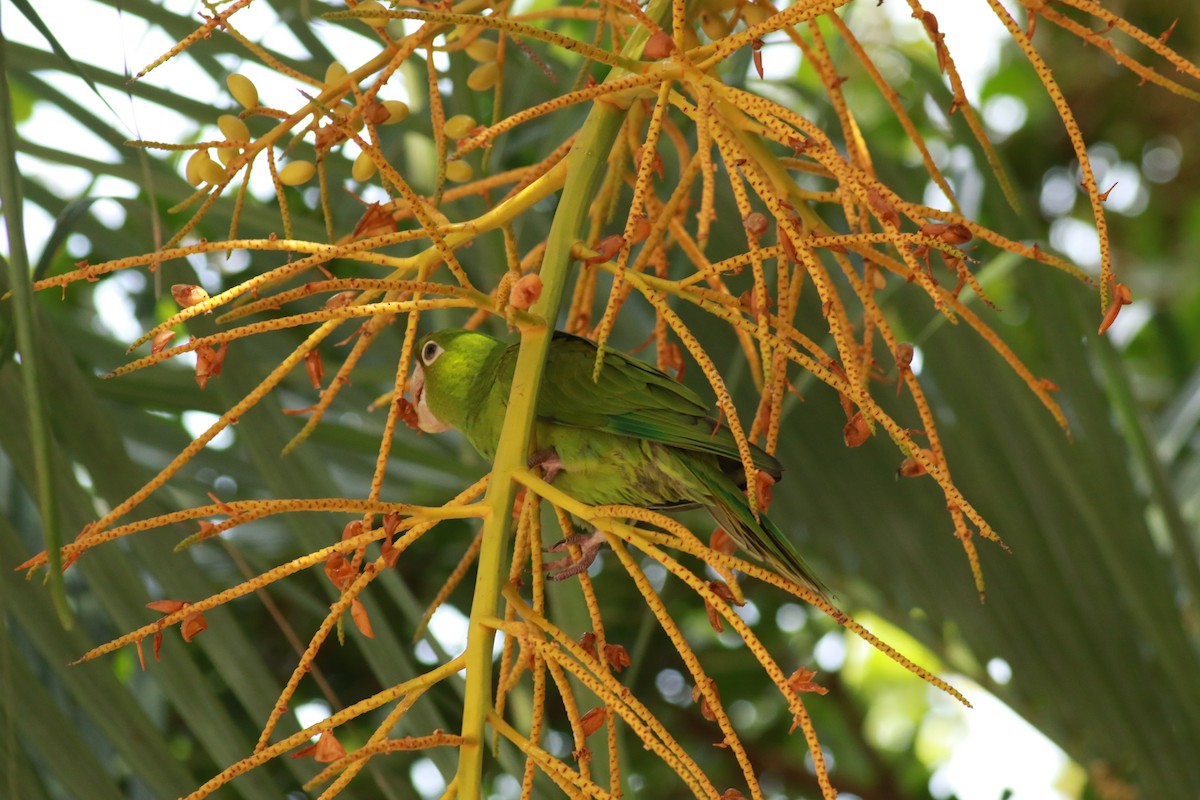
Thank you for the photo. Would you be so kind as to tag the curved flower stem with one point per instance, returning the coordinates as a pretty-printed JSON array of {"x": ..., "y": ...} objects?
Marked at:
[{"x": 586, "y": 159}]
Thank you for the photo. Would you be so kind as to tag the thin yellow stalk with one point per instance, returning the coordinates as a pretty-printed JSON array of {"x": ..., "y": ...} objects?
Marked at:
[
  {"x": 1076, "y": 136},
  {"x": 419, "y": 683}
]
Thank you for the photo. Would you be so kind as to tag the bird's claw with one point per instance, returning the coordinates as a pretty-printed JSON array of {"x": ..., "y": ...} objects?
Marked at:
[
  {"x": 589, "y": 545},
  {"x": 549, "y": 461}
]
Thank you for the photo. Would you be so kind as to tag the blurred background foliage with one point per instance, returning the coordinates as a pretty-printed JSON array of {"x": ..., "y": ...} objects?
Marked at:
[{"x": 1089, "y": 631}]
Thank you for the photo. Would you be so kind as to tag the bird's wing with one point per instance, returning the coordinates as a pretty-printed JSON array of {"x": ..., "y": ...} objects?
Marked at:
[
  {"x": 632, "y": 398},
  {"x": 756, "y": 534}
]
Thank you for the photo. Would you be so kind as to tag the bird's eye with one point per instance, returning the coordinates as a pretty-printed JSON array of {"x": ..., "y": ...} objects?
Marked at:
[{"x": 430, "y": 352}]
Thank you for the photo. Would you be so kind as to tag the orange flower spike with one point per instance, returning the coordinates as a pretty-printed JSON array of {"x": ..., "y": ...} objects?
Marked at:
[
  {"x": 1121, "y": 296},
  {"x": 314, "y": 368}
]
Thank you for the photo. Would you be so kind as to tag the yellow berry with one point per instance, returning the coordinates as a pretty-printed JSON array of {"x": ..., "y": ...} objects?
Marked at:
[
  {"x": 212, "y": 172},
  {"x": 397, "y": 111},
  {"x": 459, "y": 171},
  {"x": 483, "y": 77},
  {"x": 754, "y": 14},
  {"x": 715, "y": 26},
  {"x": 243, "y": 90},
  {"x": 458, "y": 126},
  {"x": 482, "y": 50},
  {"x": 192, "y": 171},
  {"x": 227, "y": 154},
  {"x": 372, "y": 5},
  {"x": 296, "y": 173},
  {"x": 335, "y": 72},
  {"x": 364, "y": 167},
  {"x": 233, "y": 129}
]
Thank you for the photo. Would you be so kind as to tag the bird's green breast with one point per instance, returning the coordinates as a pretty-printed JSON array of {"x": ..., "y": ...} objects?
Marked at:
[{"x": 600, "y": 468}]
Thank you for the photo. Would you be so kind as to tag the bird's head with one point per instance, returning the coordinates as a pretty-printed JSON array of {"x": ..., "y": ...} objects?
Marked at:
[{"x": 447, "y": 364}]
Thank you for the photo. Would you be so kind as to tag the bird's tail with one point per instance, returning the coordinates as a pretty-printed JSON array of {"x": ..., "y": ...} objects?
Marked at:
[{"x": 760, "y": 537}]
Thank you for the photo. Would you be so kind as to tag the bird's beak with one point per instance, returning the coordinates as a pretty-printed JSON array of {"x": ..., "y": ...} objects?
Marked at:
[{"x": 426, "y": 421}]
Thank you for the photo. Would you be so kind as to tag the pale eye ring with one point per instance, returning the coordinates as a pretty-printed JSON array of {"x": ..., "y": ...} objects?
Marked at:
[{"x": 430, "y": 352}]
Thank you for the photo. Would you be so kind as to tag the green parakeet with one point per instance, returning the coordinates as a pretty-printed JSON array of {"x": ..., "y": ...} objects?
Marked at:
[{"x": 633, "y": 437}]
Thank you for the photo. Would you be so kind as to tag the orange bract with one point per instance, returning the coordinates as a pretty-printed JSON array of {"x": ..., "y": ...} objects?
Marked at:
[{"x": 326, "y": 749}]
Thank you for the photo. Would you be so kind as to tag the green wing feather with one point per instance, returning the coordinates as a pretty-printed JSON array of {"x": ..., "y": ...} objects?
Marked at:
[
  {"x": 757, "y": 536},
  {"x": 637, "y": 400}
]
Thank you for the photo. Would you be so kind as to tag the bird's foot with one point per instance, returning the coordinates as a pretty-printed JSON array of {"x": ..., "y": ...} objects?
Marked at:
[
  {"x": 589, "y": 545},
  {"x": 549, "y": 461}
]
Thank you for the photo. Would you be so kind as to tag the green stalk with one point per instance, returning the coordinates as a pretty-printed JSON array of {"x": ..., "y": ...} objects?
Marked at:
[
  {"x": 587, "y": 160},
  {"x": 23, "y": 322}
]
